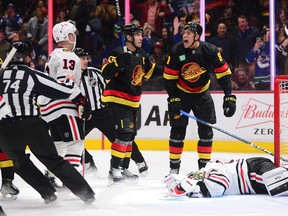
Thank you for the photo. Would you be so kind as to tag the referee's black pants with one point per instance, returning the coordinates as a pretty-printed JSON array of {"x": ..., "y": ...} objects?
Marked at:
[{"x": 16, "y": 134}]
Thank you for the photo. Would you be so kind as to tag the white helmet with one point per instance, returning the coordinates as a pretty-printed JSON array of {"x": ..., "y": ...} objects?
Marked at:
[{"x": 62, "y": 30}]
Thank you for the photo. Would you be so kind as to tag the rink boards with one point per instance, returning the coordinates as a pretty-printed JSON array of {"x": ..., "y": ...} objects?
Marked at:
[{"x": 253, "y": 121}]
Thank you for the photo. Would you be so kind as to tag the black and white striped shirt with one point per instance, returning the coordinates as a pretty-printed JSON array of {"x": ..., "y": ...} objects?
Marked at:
[
  {"x": 20, "y": 87},
  {"x": 94, "y": 85}
]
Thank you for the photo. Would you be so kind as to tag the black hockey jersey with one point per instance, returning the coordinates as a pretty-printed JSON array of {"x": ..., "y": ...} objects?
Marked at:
[
  {"x": 189, "y": 68},
  {"x": 125, "y": 88}
]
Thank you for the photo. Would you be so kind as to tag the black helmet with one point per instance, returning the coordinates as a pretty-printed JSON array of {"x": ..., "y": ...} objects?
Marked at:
[
  {"x": 24, "y": 48},
  {"x": 194, "y": 27},
  {"x": 81, "y": 52},
  {"x": 131, "y": 29}
]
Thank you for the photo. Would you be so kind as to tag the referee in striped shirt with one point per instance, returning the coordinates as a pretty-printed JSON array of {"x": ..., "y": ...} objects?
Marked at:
[
  {"x": 20, "y": 87},
  {"x": 94, "y": 85}
]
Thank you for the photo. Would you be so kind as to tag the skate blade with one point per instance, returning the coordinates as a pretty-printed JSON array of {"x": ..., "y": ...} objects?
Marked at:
[
  {"x": 144, "y": 173},
  {"x": 7, "y": 197}
]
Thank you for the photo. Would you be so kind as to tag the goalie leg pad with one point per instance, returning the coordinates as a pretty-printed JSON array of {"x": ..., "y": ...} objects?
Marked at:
[{"x": 276, "y": 181}]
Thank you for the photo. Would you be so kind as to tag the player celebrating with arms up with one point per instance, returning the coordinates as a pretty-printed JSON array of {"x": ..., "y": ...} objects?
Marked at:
[{"x": 187, "y": 83}]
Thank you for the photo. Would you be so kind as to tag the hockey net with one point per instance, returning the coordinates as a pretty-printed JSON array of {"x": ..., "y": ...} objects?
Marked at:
[{"x": 281, "y": 120}]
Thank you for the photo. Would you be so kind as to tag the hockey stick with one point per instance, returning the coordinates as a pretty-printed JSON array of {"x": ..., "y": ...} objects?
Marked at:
[
  {"x": 120, "y": 20},
  {"x": 8, "y": 59},
  {"x": 230, "y": 134}
]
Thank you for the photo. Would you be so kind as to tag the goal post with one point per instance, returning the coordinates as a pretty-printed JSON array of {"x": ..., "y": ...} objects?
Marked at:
[{"x": 280, "y": 119}]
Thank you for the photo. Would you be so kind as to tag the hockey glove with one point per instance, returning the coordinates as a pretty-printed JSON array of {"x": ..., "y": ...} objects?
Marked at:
[
  {"x": 229, "y": 105},
  {"x": 84, "y": 107},
  {"x": 124, "y": 59}
]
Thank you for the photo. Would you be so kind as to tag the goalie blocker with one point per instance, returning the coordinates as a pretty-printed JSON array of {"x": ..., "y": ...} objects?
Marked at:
[{"x": 276, "y": 181}]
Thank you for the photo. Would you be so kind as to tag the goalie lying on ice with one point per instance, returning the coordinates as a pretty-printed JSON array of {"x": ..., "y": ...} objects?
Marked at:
[{"x": 257, "y": 175}]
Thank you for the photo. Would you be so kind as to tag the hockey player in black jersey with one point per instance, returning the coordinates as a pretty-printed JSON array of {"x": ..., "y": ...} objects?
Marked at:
[
  {"x": 125, "y": 72},
  {"x": 187, "y": 83},
  {"x": 257, "y": 175},
  {"x": 94, "y": 84},
  {"x": 20, "y": 87}
]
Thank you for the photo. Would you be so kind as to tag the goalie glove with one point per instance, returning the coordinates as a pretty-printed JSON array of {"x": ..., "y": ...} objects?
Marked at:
[
  {"x": 229, "y": 105},
  {"x": 172, "y": 180},
  {"x": 187, "y": 187}
]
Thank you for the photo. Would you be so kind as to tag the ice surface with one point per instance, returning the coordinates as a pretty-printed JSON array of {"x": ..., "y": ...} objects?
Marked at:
[{"x": 146, "y": 198}]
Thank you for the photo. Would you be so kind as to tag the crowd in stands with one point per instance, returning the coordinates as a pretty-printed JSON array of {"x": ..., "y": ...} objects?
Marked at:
[{"x": 239, "y": 28}]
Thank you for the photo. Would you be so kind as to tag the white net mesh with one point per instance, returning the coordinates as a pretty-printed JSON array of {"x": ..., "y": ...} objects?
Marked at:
[{"x": 284, "y": 120}]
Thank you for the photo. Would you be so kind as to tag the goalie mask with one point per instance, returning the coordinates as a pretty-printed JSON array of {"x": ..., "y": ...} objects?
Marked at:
[{"x": 62, "y": 30}]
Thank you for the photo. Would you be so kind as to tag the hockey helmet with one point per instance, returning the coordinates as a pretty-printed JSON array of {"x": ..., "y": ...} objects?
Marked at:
[
  {"x": 131, "y": 29},
  {"x": 81, "y": 52},
  {"x": 194, "y": 27},
  {"x": 62, "y": 30},
  {"x": 24, "y": 48}
]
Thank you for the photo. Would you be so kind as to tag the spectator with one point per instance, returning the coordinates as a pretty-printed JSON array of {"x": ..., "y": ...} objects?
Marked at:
[
  {"x": 79, "y": 13},
  {"x": 61, "y": 16},
  {"x": 150, "y": 36},
  {"x": 148, "y": 11},
  {"x": 245, "y": 40},
  {"x": 106, "y": 12},
  {"x": 38, "y": 28},
  {"x": 260, "y": 54},
  {"x": 4, "y": 45},
  {"x": 11, "y": 21},
  {"x": 242, "y": 80},
  {"x": 163, "y": 12},
  {"x": 282, "y": 60},
  {"x": 95, "y": 34},
  {"x": 167, "y": 40},
  {"x": 224, "y": 42},
  {"x": 42, "y": 59}
]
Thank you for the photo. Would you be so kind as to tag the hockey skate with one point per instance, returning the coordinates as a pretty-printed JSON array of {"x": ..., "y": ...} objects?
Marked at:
[
  {"x": 8, "y": 190},
  {"x": 129, "y": 175},
  {"x": 50, "y": 199},
  {"x": 2, "y": 213},
  {"x": 202, "y": 163},
  {"x": 91, "y": 168},
  {"x": 143, "y": 168},
  {"x": 174, "y": 171},
  {"x": 52, "y": 181},
  {"x": 115, "y": 176}
]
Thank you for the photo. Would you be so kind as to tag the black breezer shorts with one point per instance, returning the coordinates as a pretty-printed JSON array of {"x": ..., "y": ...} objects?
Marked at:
[
  {"x": 201, "y": 104},
  {"x": 67, "y": 128}
]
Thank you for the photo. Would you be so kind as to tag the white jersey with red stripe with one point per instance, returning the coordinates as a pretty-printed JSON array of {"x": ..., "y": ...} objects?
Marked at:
[
  {"x": 228, "y": 178},
  {"x": 60, "y": 63}
]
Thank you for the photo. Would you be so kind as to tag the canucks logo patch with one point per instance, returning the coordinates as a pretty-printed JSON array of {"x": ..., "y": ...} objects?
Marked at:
[{"x": 182, "y": 58}]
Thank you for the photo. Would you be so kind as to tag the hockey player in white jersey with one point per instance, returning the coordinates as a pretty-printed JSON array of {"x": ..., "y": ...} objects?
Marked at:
[
  {"x": 256, "y": 175},
  {"x": 66, "y": 124}
]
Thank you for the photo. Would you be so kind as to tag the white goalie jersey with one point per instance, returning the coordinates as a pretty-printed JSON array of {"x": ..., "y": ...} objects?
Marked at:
[
  {"x": 230, "y": 178},
  {"x": 60, "y": 63}
]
